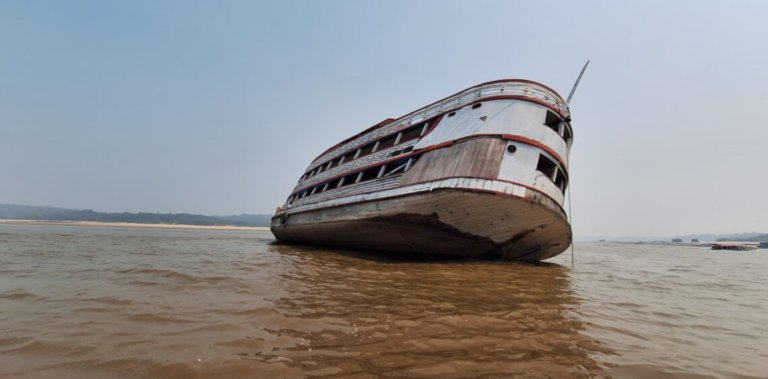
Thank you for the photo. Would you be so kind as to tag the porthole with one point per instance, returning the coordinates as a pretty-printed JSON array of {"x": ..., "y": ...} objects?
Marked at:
[
  {"x": 511, "y": 148},
  {"x": 478, "y": 105},
  {"x": 451, "y": 114}
]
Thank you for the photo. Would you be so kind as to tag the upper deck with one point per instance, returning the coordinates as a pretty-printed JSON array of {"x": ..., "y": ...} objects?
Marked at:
[
  {"x": 521, "y": 111},
  {"x": 499, "y": 89}
]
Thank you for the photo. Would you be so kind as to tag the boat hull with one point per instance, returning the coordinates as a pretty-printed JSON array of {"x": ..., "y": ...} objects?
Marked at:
[{"x": 446, "y": 222}]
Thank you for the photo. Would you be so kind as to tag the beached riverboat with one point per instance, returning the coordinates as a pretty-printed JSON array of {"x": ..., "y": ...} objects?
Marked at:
[{"x": 482, "y": 172}]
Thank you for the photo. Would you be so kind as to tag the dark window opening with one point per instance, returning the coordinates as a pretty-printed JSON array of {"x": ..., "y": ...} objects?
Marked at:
[
  {"x": 478, "y": 105},
  {"x": 350, "y": 156},
  {"x": 366, "y": 150},
  {"x": 561, "y": 181},
  {"x": 333, "y": 183},
  {"x": 553, "y": 122},
  {"x": 546, "y": 166},
  {"x": 387, "y": 142},
  {"x": 451, "y": 114},
  {"x": 411, "y": 134},
  {"x": 371, "y": 173},
  {"x": 567, "y": 135},
  {"x": 349, "y": 179}
]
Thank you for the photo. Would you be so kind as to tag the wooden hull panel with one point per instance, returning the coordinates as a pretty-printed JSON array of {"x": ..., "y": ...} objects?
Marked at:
[{"x": 445, "y": 223}]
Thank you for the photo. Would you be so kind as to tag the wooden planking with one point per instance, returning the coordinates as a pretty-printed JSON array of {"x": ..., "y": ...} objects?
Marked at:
[
  {"x": 477, "y": 157},
  {"x": 379, "y": 184}
]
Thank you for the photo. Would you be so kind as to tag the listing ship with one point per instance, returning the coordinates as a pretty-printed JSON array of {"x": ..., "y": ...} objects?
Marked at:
[{"x": 481, "y": 173}]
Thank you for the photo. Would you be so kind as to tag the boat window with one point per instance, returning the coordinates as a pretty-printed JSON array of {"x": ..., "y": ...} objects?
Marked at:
[
  {"x": 561, "y": 181},
  {"x": 347, "y": 180},
  {"x": 478, "y": 105},
  {"x": 371, "y": 173},
  {"x": 412, "y": 134},
  {"x": 366, "y": 150},
  {"x": 546, "y": 166},
  {"x": 553, "y": 122},
  {"x": 388, "y": 142},
  {"x": 451, "y": 114},
  {"x": 567, "y": 135},
  {"x": 333, "y": 183}
]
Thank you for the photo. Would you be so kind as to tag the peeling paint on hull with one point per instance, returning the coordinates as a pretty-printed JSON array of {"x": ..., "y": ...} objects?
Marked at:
[{"x": 445, "y": 223}]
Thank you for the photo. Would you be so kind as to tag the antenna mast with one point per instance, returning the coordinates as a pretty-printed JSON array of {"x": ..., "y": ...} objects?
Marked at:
[{"x": 570, "y": 95}]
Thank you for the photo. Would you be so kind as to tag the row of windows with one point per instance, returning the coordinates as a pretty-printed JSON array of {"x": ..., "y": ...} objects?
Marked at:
[
  {"x": 407, "y": 135},
  {"x": 371, "y": 173},
  {"x": 547, "y": 167},
  {"x": 554, "y": 122}
]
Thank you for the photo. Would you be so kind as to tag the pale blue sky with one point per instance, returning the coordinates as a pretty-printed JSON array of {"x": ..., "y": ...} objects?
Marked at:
[{"x": 217, "y": 107}]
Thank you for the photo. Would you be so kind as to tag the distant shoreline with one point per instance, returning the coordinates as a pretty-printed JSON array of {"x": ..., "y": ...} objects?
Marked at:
[{"x": 130, "y": 225}]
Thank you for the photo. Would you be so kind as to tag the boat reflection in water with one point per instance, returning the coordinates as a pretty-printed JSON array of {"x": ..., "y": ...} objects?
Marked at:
[{"x": 358, "y": 314}]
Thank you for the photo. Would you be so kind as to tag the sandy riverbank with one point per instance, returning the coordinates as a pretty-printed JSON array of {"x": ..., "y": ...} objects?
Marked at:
[{"x": 131, "y": 225}]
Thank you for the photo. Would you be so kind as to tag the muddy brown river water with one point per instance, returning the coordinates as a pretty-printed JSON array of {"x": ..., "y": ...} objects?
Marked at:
[{"x": 84, "y": 302}]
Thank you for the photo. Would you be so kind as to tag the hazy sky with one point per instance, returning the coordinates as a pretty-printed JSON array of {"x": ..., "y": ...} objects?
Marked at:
[{"x": 217, "y": 107}]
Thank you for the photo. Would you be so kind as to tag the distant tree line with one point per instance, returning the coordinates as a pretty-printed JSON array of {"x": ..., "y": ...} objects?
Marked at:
[
  {"x": 28, "y": 212},
  {"x": 762, "y": 238}
]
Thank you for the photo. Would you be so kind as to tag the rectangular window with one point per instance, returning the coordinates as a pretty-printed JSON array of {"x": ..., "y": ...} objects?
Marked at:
[
  {"x": 561, "y": 181},
  {"x": 371, "y": 173},
  {"x": 386, "y": 143},
  {"x": 546, "y": 166},
  {"x": 334, "y": 183},
  {"x": 553, "y": 122},
  {"x": 347, "y": 180},
  {"x": 366, "y": 150},
  {"x": 411, "y": 134},
  {"x": 567, "y": 135}
]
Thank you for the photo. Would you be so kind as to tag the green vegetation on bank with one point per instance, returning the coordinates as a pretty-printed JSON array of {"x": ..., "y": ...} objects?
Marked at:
[
  {"x": 761, "y": 238},
  {"x": 28, "y": 212}
]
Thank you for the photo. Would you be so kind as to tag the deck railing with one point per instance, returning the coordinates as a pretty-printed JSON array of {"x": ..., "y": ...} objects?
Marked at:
[{"x": 501, "y": 88}]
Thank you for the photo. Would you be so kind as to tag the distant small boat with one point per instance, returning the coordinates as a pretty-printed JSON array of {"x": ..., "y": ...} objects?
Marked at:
[
  {"x": 482, "y": 172},
  {"x": 735, "y": 246}
]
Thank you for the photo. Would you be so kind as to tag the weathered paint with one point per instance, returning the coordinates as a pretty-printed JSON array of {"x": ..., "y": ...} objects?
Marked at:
[{"x": 463, "y": 192}]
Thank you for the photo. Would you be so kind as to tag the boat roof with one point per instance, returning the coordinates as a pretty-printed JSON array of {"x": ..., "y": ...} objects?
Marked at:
[{"x": 390, "y": 120}]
